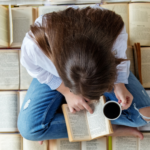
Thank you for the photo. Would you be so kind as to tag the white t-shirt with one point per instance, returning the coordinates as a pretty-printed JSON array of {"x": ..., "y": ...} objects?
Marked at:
[{"x": 39, "y": 66}]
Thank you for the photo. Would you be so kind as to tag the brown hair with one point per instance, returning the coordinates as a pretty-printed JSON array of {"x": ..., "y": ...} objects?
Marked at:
[{"x": 79, "y": 42}]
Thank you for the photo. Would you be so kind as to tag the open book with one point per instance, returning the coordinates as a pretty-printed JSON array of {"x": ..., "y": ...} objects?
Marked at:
[
  {"x": 10, "y": 106},
  {"x": 9, "y": 110},
  {"x": 74, "y": 1},
  {"x": 15, "y": 23},
  {"x": 21, "y": 2},
  {"x": 136, "y": 19},
  {"x": 142, "y": 64},
  {"x": 13, "y": 75},
  {"x": 31, "y": 2},
  {"x": 17, "y": 142},
  {"x": 48, "y": 9},
  {"x": 118, "y": 1},
  {"x": 131, "y": 143},
  {"x": 64, "y": 144},
  {"x": 83, "y": 126}
]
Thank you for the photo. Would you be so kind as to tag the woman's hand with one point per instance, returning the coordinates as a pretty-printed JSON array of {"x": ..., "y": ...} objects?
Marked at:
[
  {"x": 123, "y": 95},
  {"x": 75, "y": 102}
]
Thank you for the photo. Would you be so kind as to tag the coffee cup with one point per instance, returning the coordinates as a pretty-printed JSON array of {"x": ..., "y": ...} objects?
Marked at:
[{"x": 112, "y": 110}]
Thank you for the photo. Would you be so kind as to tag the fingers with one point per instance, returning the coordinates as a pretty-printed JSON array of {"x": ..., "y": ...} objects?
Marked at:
[
  {"x": 126, "y": 102},
  {"x": 87, "y": 107},
  {"x": 81, "y": 107},
  {"x": 72, "y": 110}
]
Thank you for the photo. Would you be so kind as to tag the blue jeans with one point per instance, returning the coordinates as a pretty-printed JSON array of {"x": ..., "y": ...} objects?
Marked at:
[{"x": 40, "y": 120}]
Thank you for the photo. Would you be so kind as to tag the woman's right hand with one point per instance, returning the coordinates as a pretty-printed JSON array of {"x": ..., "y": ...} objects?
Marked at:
[{"x": 76, "y": 103}]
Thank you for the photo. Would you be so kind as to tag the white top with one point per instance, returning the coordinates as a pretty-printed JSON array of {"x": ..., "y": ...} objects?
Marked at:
[{"x": 39, "y": 66}]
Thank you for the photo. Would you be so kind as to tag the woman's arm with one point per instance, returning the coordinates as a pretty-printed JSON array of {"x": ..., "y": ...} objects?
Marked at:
[
  {"x": 123, "y": 95},
  {"x": 75, "y": 102},
  {"x": 119, "y": 50},
  {"x": 33, "y": 61}
]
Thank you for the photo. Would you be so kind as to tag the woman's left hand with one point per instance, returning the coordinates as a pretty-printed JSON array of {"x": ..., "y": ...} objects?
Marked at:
[{"x": 123, "y": 95}]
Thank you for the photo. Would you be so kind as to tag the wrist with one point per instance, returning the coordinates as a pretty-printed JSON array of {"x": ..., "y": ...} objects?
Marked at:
[
  {"x": 63, "y": 89},
  {"x": 119, "y": 85}
]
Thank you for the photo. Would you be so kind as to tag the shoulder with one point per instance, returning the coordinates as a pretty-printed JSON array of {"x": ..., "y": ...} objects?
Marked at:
[
  {"x": 39, "y": 20},
  {"x": 120, "y": 44},
  {"x": 29, "y": 48},
  {"x": 122, "y": 37}
]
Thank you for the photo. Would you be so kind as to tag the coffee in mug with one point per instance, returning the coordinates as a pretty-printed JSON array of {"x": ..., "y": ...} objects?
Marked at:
[{"x": 112, "y": 110}]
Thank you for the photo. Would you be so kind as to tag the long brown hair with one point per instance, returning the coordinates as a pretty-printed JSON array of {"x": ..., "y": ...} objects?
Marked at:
[{"x": 79, "y": 42}]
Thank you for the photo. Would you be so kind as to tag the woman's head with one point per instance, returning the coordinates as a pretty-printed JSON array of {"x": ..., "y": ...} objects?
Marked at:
[{"x": 79, "y": 43}]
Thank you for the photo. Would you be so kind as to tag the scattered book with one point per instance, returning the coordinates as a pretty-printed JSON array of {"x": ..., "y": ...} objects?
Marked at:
[
  {"x": 74, "y": 1},
  {"x": 9, "y": 110},
  {"x": 64, "y": 144},
  {"x": 130, "y": 56},
  {"x": 17, "y": 142},
  {"x": 83, "y": 126},
  {"x": 48, "y": 9},
  {"x": 142, "y": 64},
  {"x": 135, "y": 17},
  {"x": 16, "y": 23},
  {"x": 10, "y": 105},
  {"x": 34, "y": 145},
  {"x": 13, "y": 75},
  {"x": 131, "y": 143},
  {"x": 119, "y": 1}
]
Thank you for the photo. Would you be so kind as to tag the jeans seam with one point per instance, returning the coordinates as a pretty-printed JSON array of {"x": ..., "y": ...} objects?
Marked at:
[{"x": 45, "y": 113}]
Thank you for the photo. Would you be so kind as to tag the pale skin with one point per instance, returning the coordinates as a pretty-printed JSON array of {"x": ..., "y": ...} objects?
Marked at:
[{"x": 77, "y": 103}]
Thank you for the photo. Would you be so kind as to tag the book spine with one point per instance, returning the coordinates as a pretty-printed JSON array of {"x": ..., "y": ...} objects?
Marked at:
[{"x": 109, "y": 143}]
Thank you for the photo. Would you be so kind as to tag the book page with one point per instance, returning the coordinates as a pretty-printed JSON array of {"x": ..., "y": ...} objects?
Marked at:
[
  {"x": 130, "y": 56},
  {"x": 8, "y": 111},
  {"x": 125, "y": 143},
  {"x": 29, "y": 2},
  {"x": 122, "y": 10},
  {"x": 140, "y": 0},
  {"x": 139, "y": 24},
  {"x": 22, "y": 95},
  {"x": 97, "y": 122},
  {"x": 145, "y": 66},
  {"x": 62, "y": 1},
  {"x": 48, "y": 9},
  {"x": 10, "y": 26},
  {"x": 9, "y": 66},
  {"x": 78, "y": 125},
  {"x": 64, "y": 144},
  {"x": 4, "y": 36},
  {"x": 88, "y": 1},
  {"x": 145, "y": 143},
  {"x": 22, "y": 19},
  {"x": 10, "y": 142},
  {"x": 97, "y": 144},
  {"x": 7, "y": 2},
  {"x": 25, "y": 78},
  {"x": 34, "y": 145},
  {"x": 84, "y": 6},
  {"x": 112, "y": 1}
]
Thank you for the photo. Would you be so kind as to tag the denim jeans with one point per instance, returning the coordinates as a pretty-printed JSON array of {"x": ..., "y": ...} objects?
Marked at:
[{"x": 40, "y": 120}]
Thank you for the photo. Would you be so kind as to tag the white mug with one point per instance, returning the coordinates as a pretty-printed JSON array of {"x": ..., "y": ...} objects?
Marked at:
[{"x": 112, "y": 110}]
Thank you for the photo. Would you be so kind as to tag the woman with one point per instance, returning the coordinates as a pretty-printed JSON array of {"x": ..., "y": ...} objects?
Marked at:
[{"x": 78, "y": 55}]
